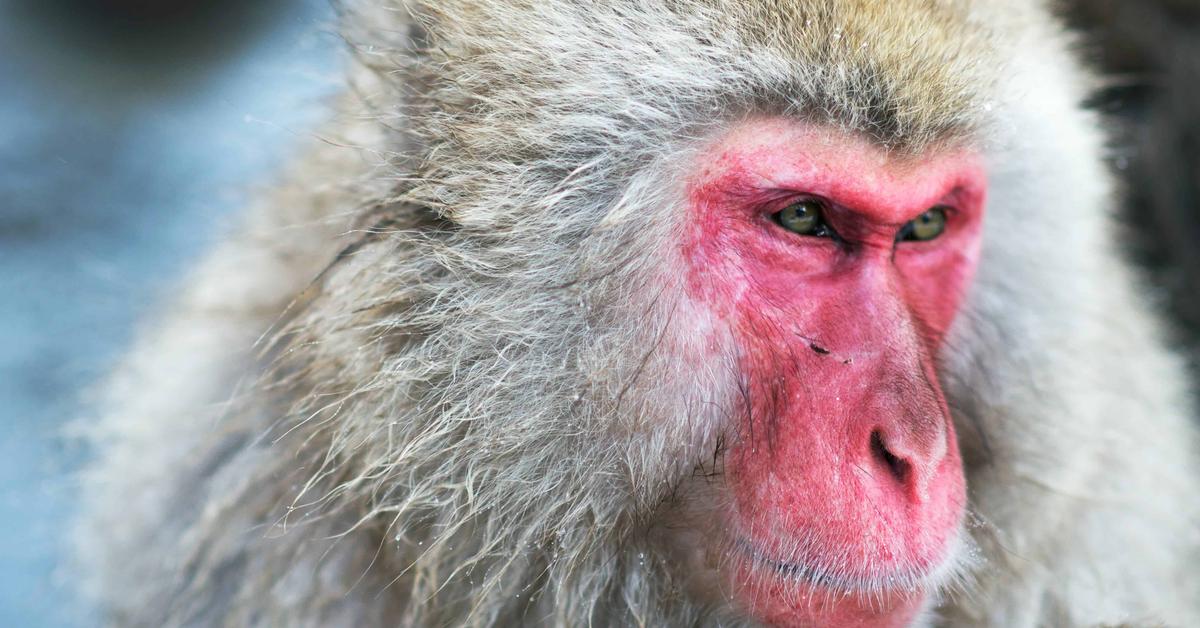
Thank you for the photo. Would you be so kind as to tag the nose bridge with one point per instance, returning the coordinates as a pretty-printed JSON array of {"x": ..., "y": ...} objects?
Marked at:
[
  {"x": 888, "y": 322},
  {"x": 906, "y": 420}
]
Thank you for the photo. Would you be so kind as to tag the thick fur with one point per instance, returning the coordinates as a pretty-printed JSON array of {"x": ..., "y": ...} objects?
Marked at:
[{"x": 443, "y": 377}]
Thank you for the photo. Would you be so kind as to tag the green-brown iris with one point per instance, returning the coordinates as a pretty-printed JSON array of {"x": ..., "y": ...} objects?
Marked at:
[
  {"x": 806, "y": 217},
  {"x": 927, "y": 226}
]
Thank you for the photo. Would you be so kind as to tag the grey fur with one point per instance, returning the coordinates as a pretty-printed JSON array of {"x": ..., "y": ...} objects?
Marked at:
[{"x": 441, "y": 378}]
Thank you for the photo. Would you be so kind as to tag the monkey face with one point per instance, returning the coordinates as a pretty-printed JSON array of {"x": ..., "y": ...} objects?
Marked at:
[{"x": 836, "y": 269}]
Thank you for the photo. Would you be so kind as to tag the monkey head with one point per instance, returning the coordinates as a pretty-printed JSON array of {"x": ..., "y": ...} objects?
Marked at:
[
  {"x": 729, "y": 306},
  {"x": 672, "y": 313}
]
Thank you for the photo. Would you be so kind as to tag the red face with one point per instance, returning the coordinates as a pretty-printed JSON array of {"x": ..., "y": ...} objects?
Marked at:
[{"x": 837, "y": 269}]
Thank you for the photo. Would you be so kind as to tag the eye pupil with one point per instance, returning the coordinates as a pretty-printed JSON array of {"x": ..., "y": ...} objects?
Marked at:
[
  {"x": 927, "y": 226},
  {"x": 804, "y": 218}
]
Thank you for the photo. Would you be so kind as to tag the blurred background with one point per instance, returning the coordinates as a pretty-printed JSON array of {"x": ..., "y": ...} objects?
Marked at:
[{"x": 131, "y": 131}]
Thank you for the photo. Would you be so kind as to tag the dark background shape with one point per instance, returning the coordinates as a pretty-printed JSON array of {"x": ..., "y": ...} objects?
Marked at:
[{"x": 1149, "y": 51}]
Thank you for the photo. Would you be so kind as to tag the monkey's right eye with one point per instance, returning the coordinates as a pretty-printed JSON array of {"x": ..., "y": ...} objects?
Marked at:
[{"x": 805, "y": 217}]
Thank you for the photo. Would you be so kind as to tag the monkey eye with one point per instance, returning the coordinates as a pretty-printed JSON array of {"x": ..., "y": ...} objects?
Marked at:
[
  {"x": 927, "y": 226},
  {"x": 806, "y": 217}
]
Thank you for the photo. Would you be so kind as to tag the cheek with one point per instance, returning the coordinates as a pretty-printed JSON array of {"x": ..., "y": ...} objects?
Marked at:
[{"x": 936, "y": 283}]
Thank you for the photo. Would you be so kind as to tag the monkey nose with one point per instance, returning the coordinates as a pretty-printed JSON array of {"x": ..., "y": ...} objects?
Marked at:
[{"x": 909, "y": 460}]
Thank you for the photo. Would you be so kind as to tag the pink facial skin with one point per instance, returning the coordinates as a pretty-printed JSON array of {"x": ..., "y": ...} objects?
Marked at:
[{"x": 845, "y": 476}]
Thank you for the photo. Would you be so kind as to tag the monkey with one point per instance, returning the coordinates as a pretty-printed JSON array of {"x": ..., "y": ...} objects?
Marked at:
[{"x": 667, "y": 313}]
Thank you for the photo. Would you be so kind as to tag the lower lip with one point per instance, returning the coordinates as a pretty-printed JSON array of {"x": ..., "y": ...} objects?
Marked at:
[{"x": 778, "y": 598}]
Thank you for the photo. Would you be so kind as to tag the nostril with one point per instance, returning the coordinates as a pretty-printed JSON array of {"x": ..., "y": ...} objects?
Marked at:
[{"x": 898, "y": 467}]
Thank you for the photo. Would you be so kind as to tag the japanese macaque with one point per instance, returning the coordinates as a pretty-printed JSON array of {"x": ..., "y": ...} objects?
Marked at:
[{"x": 671, "y": 313}]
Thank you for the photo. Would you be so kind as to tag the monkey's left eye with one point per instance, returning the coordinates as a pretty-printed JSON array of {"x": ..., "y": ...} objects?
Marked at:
[{"x": 927, "y": 226}]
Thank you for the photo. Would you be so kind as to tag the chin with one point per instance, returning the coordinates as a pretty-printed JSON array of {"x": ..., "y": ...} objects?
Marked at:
[{"x": 777, "y": 581}]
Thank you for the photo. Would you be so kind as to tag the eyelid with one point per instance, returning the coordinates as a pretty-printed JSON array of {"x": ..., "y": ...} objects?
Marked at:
[
  {"x": 785, "y": 200},
  {"x": 947, "y": 209}
]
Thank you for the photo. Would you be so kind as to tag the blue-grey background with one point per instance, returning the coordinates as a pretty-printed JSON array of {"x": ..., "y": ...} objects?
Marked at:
[{"x": 130, "y": 131}]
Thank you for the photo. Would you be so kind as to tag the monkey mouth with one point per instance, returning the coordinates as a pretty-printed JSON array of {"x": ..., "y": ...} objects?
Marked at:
[{"x": 909, "y": 580}]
